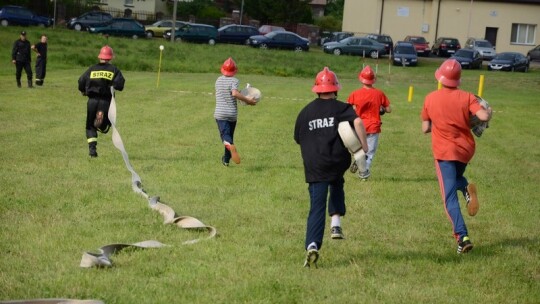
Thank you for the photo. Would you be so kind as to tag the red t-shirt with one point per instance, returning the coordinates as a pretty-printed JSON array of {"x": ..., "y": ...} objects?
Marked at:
[
  {"x": 367, "y": 102},
  {"x": 449, "y": 110}
]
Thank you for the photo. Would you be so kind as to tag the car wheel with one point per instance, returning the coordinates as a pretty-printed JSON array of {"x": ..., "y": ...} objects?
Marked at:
[
  {"x": 526, "y": 69},
  {"x": 337, "y": 52},
  {"x": 135, "y": 37},
  {"x": 513, "y": 69},
  {"x": 263, "y": 46},
  {"x": 4, "y": 23},
  {"x": 77, "y": 27},
  {"x": 374, "y": 54},
  {"x": 178, "y": 39},
  {"x": 246, "y": 42},
  {"x": 149, "y": 34},
  {"x": 298, "y": 49},
  {"x": 212, "y": 41}
]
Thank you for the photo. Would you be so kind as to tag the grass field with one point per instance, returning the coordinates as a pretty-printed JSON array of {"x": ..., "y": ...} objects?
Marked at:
[{"x": 56, "y": 202}]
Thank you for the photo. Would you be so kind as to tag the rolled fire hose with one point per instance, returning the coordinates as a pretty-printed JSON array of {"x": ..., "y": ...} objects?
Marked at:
[
  {"x": 352, "y": 143},
  {"x": 102, "y": 257}
]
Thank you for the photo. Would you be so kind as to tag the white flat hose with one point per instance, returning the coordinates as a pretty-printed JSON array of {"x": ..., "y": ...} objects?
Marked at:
[
  {"x": 353, "y": 144},
  {"x": 102, "y": 258}
]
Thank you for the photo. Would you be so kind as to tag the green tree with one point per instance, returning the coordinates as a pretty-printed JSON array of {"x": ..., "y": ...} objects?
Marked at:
[
  {"x": 334, "y": 8},
  {"x": 278, "y": 11}
]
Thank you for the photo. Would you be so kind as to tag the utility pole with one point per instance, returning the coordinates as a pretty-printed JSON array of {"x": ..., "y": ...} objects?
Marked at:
[
  {"x": 173, "y": 28},
  {"x": 241, "y": 12}
]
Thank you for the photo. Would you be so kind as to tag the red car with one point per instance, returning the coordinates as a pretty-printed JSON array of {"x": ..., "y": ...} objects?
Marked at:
[{"x": 420, "y": 44}]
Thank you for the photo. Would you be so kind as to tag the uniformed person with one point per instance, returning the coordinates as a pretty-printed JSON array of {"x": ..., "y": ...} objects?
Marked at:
[
  {"x": 96, "y": 83},
  {"x": 20, "y": 56},
  {"x": 41, "y": 61}
]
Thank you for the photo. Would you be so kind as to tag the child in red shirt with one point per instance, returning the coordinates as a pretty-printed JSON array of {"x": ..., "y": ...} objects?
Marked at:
[
  {"x": 446, "y": 114},
  {"x": 369, "y": 104}
]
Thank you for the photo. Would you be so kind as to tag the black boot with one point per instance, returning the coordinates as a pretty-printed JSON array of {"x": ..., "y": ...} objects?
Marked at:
[
  {"x": 92, "y": 149},
  {"x": 30, "y": 83},
  {"x": 18, "y": 83}
]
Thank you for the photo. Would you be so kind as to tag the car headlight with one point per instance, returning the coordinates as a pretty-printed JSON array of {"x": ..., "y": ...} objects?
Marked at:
[
  {"x": 92, "y": 29},
  {"x": 414, "y": 60},
  {"x": 254, "y": 41},
  {"x": 506, "y": 65},
  {"x": 397, "y": 59}
]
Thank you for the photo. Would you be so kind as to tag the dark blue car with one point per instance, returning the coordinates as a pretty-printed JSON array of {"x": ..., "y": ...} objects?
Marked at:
[
  {"x": 18, "y": 15},
  {"x": 280, "y": 40},
  {"x": 509, "y": 61},
  {"x": 468, "y": 58}
]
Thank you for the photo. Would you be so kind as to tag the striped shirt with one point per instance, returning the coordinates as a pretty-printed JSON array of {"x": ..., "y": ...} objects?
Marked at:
[{"x": 226, "y": 106}]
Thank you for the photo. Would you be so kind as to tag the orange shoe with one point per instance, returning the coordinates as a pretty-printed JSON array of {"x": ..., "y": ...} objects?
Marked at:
[
  {"x": 472, "y": 199},
  {"x": 234, "y": 154}
]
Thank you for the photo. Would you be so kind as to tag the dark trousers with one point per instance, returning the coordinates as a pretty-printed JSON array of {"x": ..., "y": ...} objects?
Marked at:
[
  {"x": 226, "y": 133},
  {"x": 41, "y": 70},
  {"x": 95, "y": 105},
  {"x": 19, "y": 65},
  {"x": 318, "y": 194},
  {"x": 451, "y": 179}
]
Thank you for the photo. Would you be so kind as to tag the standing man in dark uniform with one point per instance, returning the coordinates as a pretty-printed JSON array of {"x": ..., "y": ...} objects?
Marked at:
[
  {"x": 20, "y": 56},
  {"x": 41, "y": 62},
  {"x": 96, "y": 83},
  {"x": 325, "y": 159}
]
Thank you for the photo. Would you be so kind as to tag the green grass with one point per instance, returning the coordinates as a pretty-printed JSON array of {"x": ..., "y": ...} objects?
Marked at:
[{"x": 56, "y": 203}]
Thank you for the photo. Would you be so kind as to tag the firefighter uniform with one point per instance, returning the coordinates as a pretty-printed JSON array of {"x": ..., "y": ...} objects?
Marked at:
[{"x": 95, "y": 83}]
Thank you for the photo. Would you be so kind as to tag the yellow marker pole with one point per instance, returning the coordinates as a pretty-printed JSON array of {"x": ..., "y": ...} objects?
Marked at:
[
  {"x": 411, "y": 90},
  {"x": 161, "y": 47},
  {"x": 439, "y": 85},
  {"x": 481, "y": 86}
]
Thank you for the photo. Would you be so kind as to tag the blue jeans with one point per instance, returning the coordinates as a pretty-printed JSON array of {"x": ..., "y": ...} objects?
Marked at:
[
  {"x": 451, "y": 179},
  {"x": 226, "y": 133},
  {"x": 318, "y": 194}
]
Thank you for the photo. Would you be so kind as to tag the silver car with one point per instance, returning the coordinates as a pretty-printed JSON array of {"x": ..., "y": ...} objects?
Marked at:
[{"x": 484, "y": 47}]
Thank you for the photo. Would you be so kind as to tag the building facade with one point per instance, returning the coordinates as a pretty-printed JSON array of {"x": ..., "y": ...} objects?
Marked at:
[{"x": 512, "y": 26}]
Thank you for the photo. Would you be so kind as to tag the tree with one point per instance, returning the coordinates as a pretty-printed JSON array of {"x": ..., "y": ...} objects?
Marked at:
[
  {"x": 335, "y": 8},
  {"x": 278, "y": 11}
]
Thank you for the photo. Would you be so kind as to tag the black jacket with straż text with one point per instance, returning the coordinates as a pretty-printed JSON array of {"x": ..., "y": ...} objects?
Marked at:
[{"x": 98, "y": 79}]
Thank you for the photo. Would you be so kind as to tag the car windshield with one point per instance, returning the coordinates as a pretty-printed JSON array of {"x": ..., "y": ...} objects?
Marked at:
[
  {"x": 271, "y": 35},
  {"x": 346, "y": 40},
  {"x": 418, "y": 39},
  {"x": 405, "y": 50},
  {"x": 505, "y": 56},
  {"x": 464, "y": 53},
  {"x": 485, "y": 44}
]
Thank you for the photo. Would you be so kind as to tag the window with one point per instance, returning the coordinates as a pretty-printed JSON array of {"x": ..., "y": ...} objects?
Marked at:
[
  {"x": 128, "y": 2},
  {"x": 523, "y": 33}
]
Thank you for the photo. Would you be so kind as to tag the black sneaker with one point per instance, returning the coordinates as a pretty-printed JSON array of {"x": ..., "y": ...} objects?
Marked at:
[
  {"x": 337, "y": 233},
  {"x": 226, "y": 164},
  {"x": 312, "y": 256},
  {"x": 92, "y": 151},
  {"x": 465, "y": 245}
]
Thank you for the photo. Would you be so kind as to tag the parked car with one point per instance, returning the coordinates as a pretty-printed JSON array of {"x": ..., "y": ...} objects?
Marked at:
[
  {"x": 234, "y": 33},
  {"x": 336, "y": 36},
  {"x": 484, "y": 47},
  {"x": 445, "y": 46},
  {"x": 280, "y": 40},
  {"x": 385, "y": 39},
  {"x": 18, "y": 15},
  {"x": 88, "y": 20},
  {"x": 420, "y": 44},
  {"x": 509, "y": 61},
  {"x": 265, "y": 29},
  {"x": 195, "y": 32},
  {"x": 468, "y": 58},
  {"x": 158, "y": 28},
  {"x": 356, "y": 46},
  {"x": 125, "y": 27},
  {"x": 534, "y": 54},
  {"x": 404, "y": 54}
]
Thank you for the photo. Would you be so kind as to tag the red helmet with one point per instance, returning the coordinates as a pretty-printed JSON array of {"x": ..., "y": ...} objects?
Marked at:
[
  {"x": 367, "y": 76},
  {"x": 326, "y": 82},
  {"x": 449, "y": 73},
  {"x": 106, "y": 53},
  {"x": 229, "y": 67}
]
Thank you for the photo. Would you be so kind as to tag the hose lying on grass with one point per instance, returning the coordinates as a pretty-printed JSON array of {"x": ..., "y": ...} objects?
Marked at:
[{"x": 102, "y": 257}]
